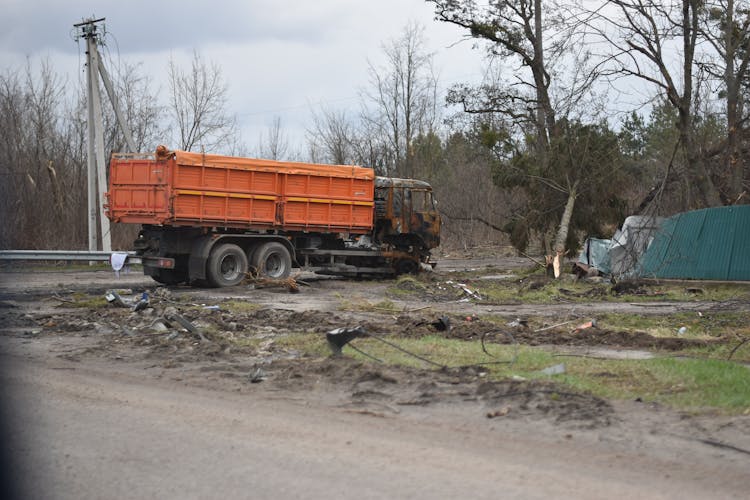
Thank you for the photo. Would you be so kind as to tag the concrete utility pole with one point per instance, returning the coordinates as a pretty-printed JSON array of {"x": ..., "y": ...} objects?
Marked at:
[
  {"x": 88, "y": 30},
  {"x": 97, "y": 170}
]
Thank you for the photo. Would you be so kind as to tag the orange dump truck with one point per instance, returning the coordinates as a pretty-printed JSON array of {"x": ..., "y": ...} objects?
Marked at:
[{"x": 209, "y": 219}]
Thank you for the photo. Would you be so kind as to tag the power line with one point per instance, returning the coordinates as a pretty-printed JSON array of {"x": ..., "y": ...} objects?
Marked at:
[{"x": 295, "y": 107}]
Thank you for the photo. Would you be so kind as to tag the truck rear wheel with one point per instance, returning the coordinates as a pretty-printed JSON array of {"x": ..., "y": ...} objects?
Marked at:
[
  {"x": 227, "y": 265},
  {"x": 272, "y": 260}
]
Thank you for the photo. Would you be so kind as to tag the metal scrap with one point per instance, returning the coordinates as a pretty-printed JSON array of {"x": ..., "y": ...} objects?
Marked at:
[
  {"x": 186, "y": 324},
  {"x": 339, "y": 337},
  {"x": 465, "y": 289}
]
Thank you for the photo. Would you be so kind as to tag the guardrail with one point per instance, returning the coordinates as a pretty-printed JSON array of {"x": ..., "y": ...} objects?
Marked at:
[{"x": 77, "y": 255}]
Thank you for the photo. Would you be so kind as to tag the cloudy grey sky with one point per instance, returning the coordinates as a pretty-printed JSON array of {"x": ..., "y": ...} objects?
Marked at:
[{"x": 279, "y": 57}]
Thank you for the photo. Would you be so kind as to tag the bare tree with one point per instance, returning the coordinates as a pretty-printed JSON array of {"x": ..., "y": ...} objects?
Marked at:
[
  {"x": 520, "y": 32},
  {"x": 140, "y": 105},
  {"x": 274, "y": 144},
  {"x": 402, "y": 96},
  {"x": 198, "y": 103},
  {"x": 39, "y": 185},
  {"x": 332, "y": 133},
  {"x": 371, "y": 148},
  {"x": 514, "y": 29},
  {"x": 644, "y": 37}
]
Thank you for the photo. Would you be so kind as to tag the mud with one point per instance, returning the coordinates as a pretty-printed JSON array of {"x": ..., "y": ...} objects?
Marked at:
[
  {"x": 241, "y": 346},
  {"x": 229, "y": 347},
  {"x": 388, "y": 389}
]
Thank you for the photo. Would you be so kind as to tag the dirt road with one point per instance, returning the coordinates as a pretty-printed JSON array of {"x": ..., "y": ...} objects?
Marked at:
[{"x": 98, "y": 413}]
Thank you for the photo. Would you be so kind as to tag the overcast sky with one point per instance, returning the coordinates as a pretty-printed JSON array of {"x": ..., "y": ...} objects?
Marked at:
[{"x": 279, "y": 57}]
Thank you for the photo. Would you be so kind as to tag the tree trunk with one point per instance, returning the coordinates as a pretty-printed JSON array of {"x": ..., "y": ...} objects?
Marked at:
[
  {"x": 698, "y": 171},
  {"x": 562, "y": 231},
  {"x": 538, "y": 71},
  {"x": 733, "y": 157}
]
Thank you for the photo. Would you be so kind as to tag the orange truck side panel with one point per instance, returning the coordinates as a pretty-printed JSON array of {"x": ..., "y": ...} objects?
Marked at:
[{"x": 210, "y": 190}]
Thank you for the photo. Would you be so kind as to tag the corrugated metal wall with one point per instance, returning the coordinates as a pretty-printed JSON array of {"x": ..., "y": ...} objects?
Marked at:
[{"x": 713, "y": 243}]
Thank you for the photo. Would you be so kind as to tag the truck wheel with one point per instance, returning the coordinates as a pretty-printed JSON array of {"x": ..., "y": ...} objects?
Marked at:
[
  {"x": 227, "y": 265},
  {"x": 272, "y": 260}
]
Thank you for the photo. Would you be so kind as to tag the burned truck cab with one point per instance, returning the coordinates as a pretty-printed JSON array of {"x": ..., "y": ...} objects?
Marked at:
[{"x": 406, "y": 215}]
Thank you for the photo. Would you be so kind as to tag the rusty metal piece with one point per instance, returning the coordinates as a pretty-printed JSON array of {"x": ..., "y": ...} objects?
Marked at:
[{"x": 585, "y": 326}]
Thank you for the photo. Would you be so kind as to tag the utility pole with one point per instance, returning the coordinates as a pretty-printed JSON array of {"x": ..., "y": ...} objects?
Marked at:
[
  {"x": 88, "y": 32},
  {"x": 97, "y": 170}
]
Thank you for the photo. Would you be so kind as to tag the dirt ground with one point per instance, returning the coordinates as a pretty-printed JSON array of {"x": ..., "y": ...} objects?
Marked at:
[{"x": 225, "y": 343}]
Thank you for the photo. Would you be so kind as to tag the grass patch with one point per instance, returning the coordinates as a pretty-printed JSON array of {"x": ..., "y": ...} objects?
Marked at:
[
  {"x": 359, "y": 304},
  {"x": 307, "y": 343},
  {"x": 83, "y": 300},
  {"x": 539, "y": 292},
  {"x": 685, "y": 384},
  {"x": 538, "y": 289},
  {"x": 718, "y": 324},
  {"x": 690, "y": 292},
  {"x": 722, "y": 351}
]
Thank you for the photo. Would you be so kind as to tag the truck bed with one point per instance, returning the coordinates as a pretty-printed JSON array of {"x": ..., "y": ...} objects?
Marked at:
[{"x": 195, "y": 189}]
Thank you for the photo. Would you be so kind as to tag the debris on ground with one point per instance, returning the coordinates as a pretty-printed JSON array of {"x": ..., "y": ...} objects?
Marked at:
[
  {"x": 550, "y": 327},
  {"x": 518, "y": 323},
  {"x": 259, "y": 375},
  {"x": 586, "y": 325},
  {"x": 186, "y": 324},
  {"x": 468, "y": 292},
  {"x": 114, "y": 298},
  {"x": 142, "y": 303},
  {"x": 291, "y": 284},
  {"x": 442, "y": 324},
  {"x": 236, "y": 341},
  {"x": 339, "y": 337},
  {"x": 499, "y": 413},
  {"x": 554, "y": 370}
]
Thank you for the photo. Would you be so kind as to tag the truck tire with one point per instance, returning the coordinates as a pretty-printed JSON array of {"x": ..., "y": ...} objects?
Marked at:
[
  {"x": 272, "y": 260},
  {"x": 227, "y": 265}
]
